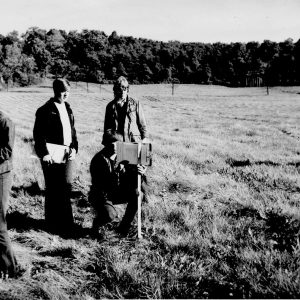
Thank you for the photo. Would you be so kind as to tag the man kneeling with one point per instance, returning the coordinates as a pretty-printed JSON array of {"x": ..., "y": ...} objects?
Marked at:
[{"x": 113, "y": 183}]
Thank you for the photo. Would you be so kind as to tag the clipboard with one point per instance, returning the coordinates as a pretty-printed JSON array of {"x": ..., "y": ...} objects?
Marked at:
[{"x": 58, "y": 153}]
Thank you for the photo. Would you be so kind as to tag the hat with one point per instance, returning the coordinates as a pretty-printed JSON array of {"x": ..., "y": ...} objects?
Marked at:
[
  {"x": 109, "y": 138},
  {"x": 61, "y": 85}
]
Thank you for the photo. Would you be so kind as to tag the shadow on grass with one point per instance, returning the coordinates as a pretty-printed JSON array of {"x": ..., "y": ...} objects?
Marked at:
[
  {"x": 65, "y": 252},
  {"x": 237, "y": 211},
  {"x": 245, "y": 163},
  {"x": 283, "y": 229},
  {"x": 23, "y": 222},
  {"x": 32, "y": 190}
]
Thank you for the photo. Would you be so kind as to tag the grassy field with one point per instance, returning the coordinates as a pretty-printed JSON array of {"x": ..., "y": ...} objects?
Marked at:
[{"x": 222, "y": 219}]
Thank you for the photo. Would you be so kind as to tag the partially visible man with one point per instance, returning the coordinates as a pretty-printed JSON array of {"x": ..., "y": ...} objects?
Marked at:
[
  {"x": 124, "y": 115},
  {"x": 113, "y": 183},
  {"x": 54, "y": 124},
  {"x": 8, "y": 264}
]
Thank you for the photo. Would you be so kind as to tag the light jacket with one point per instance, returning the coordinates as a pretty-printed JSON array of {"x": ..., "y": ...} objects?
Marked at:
[
  {"x": 135, "y": 123},
  {"x": 7, "y": 137}
]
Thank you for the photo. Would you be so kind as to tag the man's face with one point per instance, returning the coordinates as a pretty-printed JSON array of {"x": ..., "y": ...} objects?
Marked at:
[
  {"x": 122, "y": 91},
  {"x": 114, "y": 147},
  {"x": 63, "y": 96},
  {"x": 112, "y": 150}
]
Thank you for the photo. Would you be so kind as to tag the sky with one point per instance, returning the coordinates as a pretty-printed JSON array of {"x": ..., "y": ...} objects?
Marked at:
[{"x": 206, "y": 21}]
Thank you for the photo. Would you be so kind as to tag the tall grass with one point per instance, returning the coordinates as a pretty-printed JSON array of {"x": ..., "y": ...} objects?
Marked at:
[{"x": 222, "y": 217}]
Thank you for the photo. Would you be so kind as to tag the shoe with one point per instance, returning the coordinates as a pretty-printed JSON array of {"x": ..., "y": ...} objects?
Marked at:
[
  {"x": 18, "y": 272},
  {"x": 127, "y": 231}
]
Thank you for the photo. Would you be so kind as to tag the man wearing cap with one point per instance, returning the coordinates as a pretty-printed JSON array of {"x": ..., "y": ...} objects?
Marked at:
[
  {"x": 54, "y": 124},
  {"x": 113, "y": 183}
]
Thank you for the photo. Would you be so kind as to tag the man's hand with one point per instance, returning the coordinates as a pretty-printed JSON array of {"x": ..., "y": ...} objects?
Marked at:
[
  {"x": 145, "y": 141},
  {"x": 72, "y": 154},
  {"x": 141, "y": 169},
  {"x": 48, "y": 159}
]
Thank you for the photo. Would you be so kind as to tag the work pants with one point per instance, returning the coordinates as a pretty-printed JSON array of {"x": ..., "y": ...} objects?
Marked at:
[{"x": 125, "y": 193}]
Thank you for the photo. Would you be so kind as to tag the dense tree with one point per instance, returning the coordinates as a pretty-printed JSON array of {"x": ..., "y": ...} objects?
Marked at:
[
  {"x": 93, "y": 56},
  {"x": 35, "y": 46},
  {"x": 11, "y": 62},
  {"x": 297, "y": 62}
]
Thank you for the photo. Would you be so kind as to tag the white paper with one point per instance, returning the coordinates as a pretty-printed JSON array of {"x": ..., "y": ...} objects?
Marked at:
[{"x": 58, "y": 153}]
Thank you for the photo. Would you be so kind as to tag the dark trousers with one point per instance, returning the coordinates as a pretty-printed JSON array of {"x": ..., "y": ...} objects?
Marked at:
[
  {"x": 125, "y": 193},
  {"x": 58, "y": 208},
  {"x": 8, "y": 262}
]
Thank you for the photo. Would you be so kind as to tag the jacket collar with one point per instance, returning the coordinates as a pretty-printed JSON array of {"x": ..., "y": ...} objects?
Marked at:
[
  {"x": 129, "y": 102},
  {"x": 51, "y": 102}
]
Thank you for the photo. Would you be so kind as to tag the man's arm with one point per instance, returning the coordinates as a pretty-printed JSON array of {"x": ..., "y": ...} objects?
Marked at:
[
  {"x": 39, "y": 134},
  {"x": 100, "y": 175},
  {"x": 7, "y": 129},
  {"x": 109, "y": 123},
  {"x": 141, "y": 121},
  {"x": 74, "y": 143}
]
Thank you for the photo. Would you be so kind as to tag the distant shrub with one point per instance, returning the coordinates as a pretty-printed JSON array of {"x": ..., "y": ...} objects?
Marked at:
[{"x": 24, "y": 79}]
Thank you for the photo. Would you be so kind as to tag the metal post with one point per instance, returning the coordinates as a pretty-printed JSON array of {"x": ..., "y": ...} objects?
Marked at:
[{"x": 139, "y": 182}]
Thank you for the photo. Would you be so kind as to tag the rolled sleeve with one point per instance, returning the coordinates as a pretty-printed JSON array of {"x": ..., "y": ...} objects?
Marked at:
[{"x": 141, "y": 121}]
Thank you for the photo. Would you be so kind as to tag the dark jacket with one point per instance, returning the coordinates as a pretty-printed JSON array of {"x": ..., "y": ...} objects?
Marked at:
[
  {"x": 104, "y": 178},
  {"x": 108, "y": 180},
  {"x": 7, "y": 137},
  {"x": 48, "y": 128},
  {"x": 135, "y": 123}
]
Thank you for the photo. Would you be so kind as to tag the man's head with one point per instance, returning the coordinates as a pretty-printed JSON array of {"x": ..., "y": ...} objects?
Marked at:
[
  {"x": 121, "y": 88},
  {"x": 61, "y": 88},
  {"x": 109, "y": 141}
]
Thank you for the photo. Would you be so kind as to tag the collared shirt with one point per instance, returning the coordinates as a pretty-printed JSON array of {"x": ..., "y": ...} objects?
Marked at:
[
  {"x": 121, "y": 115},
  {"x": 64, "y": 117}
]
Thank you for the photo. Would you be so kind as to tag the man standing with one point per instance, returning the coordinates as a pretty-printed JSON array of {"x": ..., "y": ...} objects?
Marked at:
[
  {"x": 54, "y": 125},
  {"x": 124, "y": 115},
  {"x": 8, "y": 264}
]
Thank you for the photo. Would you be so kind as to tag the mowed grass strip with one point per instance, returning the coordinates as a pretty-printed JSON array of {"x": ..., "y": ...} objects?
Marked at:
[{"x": 222, "y": 217}]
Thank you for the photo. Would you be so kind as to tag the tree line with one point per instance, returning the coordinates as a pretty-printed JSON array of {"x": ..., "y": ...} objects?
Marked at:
[{"x": 93, "y": 56}]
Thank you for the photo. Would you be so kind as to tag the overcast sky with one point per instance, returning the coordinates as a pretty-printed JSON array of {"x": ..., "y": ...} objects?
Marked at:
[{"x": 205, "y": 21}]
